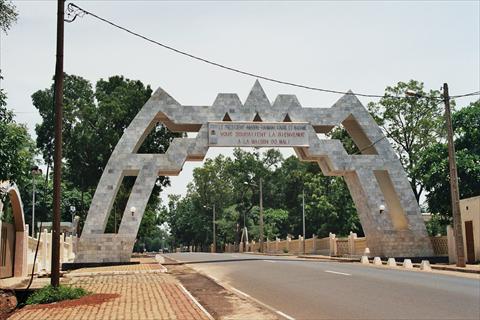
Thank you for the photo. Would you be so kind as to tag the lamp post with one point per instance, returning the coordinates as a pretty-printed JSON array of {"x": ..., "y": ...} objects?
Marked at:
[
  {"x": 35, "y": 172},
  {"x": 260, "y": 186},
  {"x": 303, "y": 218},
  {"x": 73, "y": 209},
  {"x": 214, "y": 239}
]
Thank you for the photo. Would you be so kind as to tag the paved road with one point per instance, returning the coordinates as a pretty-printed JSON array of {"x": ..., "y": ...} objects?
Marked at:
[{"x": 306, "y": 289}]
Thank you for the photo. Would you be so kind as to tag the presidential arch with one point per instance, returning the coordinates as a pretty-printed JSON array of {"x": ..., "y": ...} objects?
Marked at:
[{"x": 375, "y": 177}]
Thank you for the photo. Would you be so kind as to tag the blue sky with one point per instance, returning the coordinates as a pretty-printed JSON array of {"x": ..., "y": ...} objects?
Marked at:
[{"x": 363, "y": 46}]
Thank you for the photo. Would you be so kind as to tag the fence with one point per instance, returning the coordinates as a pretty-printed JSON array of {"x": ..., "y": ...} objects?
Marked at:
[
  {"x": 331, "y": 245},
  {"x": 43, "y": 262},
  {"x": 440, "y": 245}
]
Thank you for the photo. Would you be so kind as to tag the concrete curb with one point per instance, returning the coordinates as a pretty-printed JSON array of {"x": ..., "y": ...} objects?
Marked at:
[
  {"x": 113, "y": 273},
  {"x": 339, "y": 259}
]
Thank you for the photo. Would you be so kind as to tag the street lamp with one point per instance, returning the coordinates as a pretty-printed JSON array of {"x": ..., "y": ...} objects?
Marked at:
[
  {"x": 35, "y": 172},
  {"x": 260, "y": 182},
  {"x": 72, "y": 211},
  {"x": 381, "y": 208},
  {"x": 214, "y": 240},
  {"x": 303, "y": 218}
]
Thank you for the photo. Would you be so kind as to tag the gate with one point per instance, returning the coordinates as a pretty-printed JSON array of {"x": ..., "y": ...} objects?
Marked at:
[{"x": 7, "y": 250}]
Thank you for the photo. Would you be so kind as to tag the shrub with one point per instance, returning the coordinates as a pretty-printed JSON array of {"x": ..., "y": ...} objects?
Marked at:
[
  {"x": 49, "y": 294},
  {"x": 285, "y": 250}
]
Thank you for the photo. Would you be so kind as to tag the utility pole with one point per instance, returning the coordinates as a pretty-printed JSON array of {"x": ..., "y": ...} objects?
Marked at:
[
  {"x": 57, "y": 161},
  {"x": 457, "y": 221},
  {"x": 214, "y": 247},
  {"x": 261, "y": 214},
  {"x": 303, "y": 218}
]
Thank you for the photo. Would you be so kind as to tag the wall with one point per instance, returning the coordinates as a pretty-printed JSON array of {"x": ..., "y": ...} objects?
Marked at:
[
  {"x": 470, "y": 211},
  {"x": 43, "y": 261}
]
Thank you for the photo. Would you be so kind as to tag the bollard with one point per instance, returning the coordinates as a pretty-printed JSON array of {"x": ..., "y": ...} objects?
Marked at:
[
  {"x": 407, "y": 264},
  {"x": 425, "y": 265},
  {"x": 391, "y": 262},
  {"x": 366, "y": 252},
  {"x": 364, "y": 260},
  {"x": 377, "y": 261}
]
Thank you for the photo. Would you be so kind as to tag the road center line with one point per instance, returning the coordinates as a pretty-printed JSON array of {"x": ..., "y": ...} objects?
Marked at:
[
  {"x": 336, "y": 272},
  {"x": 286, "y": 316}
]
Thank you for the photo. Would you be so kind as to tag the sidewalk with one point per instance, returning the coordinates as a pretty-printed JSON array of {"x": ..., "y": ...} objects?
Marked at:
[{"x": 136, "y": 294}]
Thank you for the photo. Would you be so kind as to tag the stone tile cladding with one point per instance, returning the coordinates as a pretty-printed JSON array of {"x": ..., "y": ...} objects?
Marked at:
[{"x": 363, "y": 173}]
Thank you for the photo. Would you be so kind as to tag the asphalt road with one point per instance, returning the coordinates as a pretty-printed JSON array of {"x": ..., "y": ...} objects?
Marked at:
[{"x": 310, "y": 289}]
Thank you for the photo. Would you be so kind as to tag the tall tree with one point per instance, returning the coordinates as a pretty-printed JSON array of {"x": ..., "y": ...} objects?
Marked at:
[
  {"x": 412, "y": 124},
  {"x": 433, "y": 165},
  {"x": 8, "y": 15},
  {"x": 94, "y": 121},
  {"x": 16, "y": 147}
]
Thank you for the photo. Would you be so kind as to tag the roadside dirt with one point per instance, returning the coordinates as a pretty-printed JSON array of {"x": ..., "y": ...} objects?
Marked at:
[{"x": 218, "y": 301}]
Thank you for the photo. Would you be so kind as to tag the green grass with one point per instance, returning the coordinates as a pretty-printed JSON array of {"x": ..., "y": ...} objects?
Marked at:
[{"x": 49, "y": 294}]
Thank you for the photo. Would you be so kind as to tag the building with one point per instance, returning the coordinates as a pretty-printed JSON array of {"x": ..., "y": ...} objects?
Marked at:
[{"x": 470, "y": 212}]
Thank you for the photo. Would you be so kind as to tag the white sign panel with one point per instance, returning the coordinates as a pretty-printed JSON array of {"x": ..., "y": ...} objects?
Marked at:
[{"x": 258, "y": 134}]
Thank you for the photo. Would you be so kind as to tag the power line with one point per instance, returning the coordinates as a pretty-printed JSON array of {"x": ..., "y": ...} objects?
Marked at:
[{"x": 74, "y": 10}]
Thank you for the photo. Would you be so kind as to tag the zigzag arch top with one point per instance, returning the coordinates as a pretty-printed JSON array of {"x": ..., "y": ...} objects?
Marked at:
[
  {"x": 329, "y": 153},
  {"x": 374, "y": 178}
]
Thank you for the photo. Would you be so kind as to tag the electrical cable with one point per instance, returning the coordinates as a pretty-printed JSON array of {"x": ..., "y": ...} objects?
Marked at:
[{"x": 74, "y": 10}]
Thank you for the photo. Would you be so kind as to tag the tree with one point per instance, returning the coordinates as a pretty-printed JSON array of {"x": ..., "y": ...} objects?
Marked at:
[
  {"x": 412, "y": 124},
  {"x": 93, "y": 122},
  {"x": 433, "y": 165},
  {"x": 16, "y": 148},
  {"x": 221, "y": 181},
  {"x": 8, "y": 15}
]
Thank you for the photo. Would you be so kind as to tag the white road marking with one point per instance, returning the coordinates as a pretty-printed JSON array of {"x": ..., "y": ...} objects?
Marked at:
[
  {"x": 286, "y": 316},
  {"x": 336, "y": 272},
  {"x": 235, "y": 256},
  {"x": 270, "y": 261},
  {"x": 209, "y": 316}
]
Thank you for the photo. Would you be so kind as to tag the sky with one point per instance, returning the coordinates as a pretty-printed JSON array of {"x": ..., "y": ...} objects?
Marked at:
[{"x": 358, "y": 45}]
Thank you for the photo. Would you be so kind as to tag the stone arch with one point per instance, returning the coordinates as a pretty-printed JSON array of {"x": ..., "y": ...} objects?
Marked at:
[
  {"x": 21, "y": 232},
  {"x": 374, "y": 177}
]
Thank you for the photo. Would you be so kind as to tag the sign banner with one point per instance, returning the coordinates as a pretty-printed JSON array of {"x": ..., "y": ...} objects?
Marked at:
[{"x": 257, "y": 134}]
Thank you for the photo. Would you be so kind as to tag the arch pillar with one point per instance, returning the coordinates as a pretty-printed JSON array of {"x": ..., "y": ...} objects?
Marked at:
[
  {"x": 21, "y": 230},
  {"x": 374, "y": 177}
]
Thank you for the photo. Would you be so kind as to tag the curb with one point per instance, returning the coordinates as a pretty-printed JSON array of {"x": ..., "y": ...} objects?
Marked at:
[
  {"x": 329, "y": 258},
  {"x": 195, "y": 301},
  {"x": 454, "y": 269},
  {"x": 243, "y": 295},
  {"x": 112, "y": 273}
]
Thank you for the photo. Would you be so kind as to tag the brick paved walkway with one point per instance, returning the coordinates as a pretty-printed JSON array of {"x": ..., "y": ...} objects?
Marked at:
[{"x": 142, "y": 296}]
